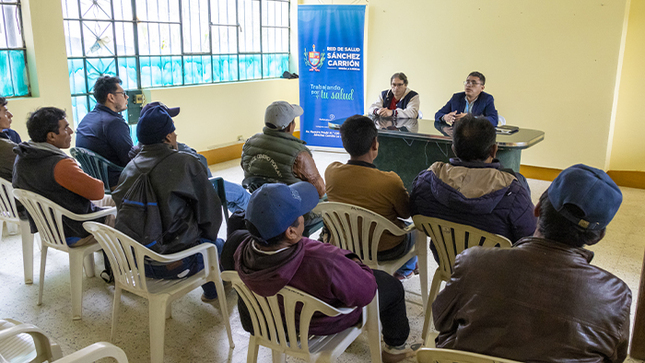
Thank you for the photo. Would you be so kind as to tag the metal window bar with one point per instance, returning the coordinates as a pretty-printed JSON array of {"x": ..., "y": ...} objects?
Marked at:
[
  {"x": 222, "y": 25},
  {"x": 18, "y": 21}
]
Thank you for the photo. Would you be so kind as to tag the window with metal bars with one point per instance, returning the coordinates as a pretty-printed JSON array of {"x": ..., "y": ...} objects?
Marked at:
[
  {"x": 14, "y": 80},
  {"x": 164, "y": 43}
]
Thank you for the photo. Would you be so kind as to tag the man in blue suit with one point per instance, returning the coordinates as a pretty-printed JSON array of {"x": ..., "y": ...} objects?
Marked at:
[{"x": 473, "y": 100}]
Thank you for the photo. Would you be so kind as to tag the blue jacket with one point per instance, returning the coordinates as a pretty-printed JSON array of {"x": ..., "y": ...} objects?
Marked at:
[
  {"x": 476, "y": 194},
  {"x": 484, "y": 106},
  {"x": 106, "y": 133}
]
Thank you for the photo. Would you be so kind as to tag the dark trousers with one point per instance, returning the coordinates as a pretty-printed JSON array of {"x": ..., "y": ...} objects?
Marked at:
[{"x": 391, "y": 299}]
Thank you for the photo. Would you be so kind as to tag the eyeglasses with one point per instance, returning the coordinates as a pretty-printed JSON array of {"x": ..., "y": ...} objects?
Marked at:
[
  {"x": 398, "y": 85},
  {"x": 471, "y": 83},
  {"x": 123, "y": 93}
]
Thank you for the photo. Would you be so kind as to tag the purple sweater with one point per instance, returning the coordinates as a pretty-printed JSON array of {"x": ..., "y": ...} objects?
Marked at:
[{"x": 317, "y": 268}]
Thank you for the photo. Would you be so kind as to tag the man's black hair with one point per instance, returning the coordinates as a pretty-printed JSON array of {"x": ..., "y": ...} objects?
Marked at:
[
  {"x": 3, "y": 101},
  {"x": 553, "y": 226},
  {"x": 104, "y": 86},
  {"x": 479, "y": 75},
  {"x": 358, "y": 133},
  {"x": 473, "y": 138},
  {"x": 43, "y": 121},
  {"x": 401, "y": 76},
  {"x": 273, "y": 240}
]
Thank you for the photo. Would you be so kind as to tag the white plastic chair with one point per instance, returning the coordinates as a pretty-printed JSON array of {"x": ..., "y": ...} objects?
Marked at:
[
  {"x": 283, "y": 337},
  {"x": 28, "y": 343},
  {"x": 25, "y": 343},
  {"x": 342, "y": 221},
  {"x": 48, "y": 217},
  {"x": 501, "y": 121},
  {"x": 436, "y": 355},
  {"x": 450, "y": 239},
  {"x": 127, "y": 258},
  {"x": 9, "y": 214},
  {"x": 95, "y": 352}
]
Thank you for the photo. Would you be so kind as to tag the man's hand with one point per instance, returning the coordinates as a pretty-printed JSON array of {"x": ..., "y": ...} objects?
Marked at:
[
  {"x": 450, "y": 118},
  {"x": 385, "y": 112},
  {"x": 459, "y": 116}
]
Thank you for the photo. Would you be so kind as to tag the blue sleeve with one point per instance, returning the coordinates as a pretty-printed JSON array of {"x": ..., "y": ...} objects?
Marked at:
[
  {"x": 444, "y": 110},
  {"x": 118, "y": 135},
  {"x": 490, "y": 112}
]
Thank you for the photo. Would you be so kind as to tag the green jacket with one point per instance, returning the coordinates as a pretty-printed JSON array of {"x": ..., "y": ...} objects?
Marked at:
[{"x": 271, "y": 155}]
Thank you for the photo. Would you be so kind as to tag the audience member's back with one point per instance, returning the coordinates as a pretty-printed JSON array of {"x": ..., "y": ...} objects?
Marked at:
[
  {"x": 474, "y": 189},
  {"x": 360, "y": 183}
]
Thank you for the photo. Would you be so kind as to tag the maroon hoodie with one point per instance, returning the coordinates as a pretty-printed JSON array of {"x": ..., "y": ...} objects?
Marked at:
[{"x": 320, "y": 269}]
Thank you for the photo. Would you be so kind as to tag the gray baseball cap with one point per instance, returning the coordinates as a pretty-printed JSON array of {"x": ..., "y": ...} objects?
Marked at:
[{"x": 279, "y": 114}]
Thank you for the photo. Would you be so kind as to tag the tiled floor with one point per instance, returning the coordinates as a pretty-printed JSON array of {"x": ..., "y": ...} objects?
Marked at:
[{"x": 195, "y": 333}]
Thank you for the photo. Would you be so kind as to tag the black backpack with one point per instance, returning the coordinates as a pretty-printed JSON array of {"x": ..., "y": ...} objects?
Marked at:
[{"x": 139, "y": 216}]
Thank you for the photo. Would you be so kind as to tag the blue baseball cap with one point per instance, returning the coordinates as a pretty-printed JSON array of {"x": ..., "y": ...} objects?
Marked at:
[
  {"x": 154, "y": 125},
  {"x": 589, "y": 189},
  {"x": 275, "y": 206}
]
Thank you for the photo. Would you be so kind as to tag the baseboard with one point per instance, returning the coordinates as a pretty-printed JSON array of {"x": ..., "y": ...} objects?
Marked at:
[
  {"x": 539, "y": 173},
  {"x": 623, "y": 178},
  {"x": 626, "y": 178},
  {"x": 224, "y": 153},
  {"x": 228, "y": 152}
]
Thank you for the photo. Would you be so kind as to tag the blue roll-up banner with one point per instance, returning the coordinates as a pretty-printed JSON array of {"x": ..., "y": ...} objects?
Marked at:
[{"x": 330, "y": 40}]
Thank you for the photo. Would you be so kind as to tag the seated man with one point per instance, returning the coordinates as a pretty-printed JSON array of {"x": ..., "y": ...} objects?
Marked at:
[
  {"x": 42, "y": 167},
  {"x": 360, "y": 183},
  {"x": 474, "y": 100},
  {"x": 104, "y": 130},
  {"x": 275, "y": 254},
  {"x": 190, "y": 212},
  {"x": 542, "y": 300},
  {"x": 8, "y": 140},
  {"x": 400, "y": 101},
  {"x": 237, "y": 197},
  {"x": 275, "y": 155},
  {"x": 474, "y": 188}
]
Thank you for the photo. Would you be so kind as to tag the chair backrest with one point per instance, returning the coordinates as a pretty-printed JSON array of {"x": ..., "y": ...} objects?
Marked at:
[
  {"x": 8, "y": 211},
  {"x": 266, "y": 314},
  {"x": 356, "y": 229},
  {"x": 94, "y": 165},
  {"x": 436, "y": 355},
  {"x": 450, "y": 239},
  {"x": 47, "y": 215},
  {"x": 126, "y": 256},
  {"x": 501, "y": 121},
  {"x": 218, "y": 184}
]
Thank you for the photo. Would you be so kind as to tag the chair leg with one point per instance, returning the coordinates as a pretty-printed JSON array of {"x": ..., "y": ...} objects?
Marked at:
[
  {"x": 88, "y": 263},
  {"x": 374, "y": 330},
  {"x": 278, "y": 357},
  {"x": 219, "y": 286},
  {"x": 422, "y": 253},
  {"x": 115, "y": 312},
  {"x": 252, "y": 354},
  {"x": 27, "y": 251},
  {"x": 157, "y": 318},
  {"x": 168, "y": 311},
  {"x": 434, "y": 290},
  {"x": 76, "y": 282},
  {"x": 12, "y": 228},
  {"x": 43, "y": 260}
]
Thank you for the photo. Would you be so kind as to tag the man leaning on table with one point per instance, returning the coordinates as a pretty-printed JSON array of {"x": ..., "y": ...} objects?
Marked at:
[{"x": 473, "y": 100}]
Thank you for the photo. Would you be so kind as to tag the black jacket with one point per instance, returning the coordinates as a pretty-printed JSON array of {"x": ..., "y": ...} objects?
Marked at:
[{"x": 187, "y": 202}]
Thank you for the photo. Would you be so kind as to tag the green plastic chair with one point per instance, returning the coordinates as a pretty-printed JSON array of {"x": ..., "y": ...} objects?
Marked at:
[
  {"x": 218, "y": 184},
  {"x": 95, "y": 165}
]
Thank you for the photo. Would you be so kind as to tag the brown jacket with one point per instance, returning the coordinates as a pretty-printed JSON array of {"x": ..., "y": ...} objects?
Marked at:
[{"x": 540, "y": 301}]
